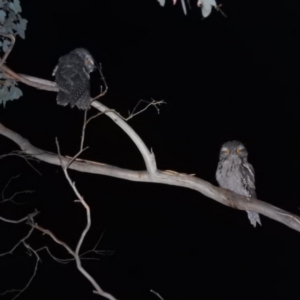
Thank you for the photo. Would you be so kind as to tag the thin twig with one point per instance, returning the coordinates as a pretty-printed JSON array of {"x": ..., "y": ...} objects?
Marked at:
[
  {"x": 152, "y": 103},
  {"x": 15, "y": 194},
  {"x": 183, "y": 7},
  {"x": 48, "y": 232},
  {"x": 59, "y": 260},
  {"x": 33, "y": 274},
  {"x": 80, "y": 199},
  {"x": 77, "y": 259},
  {"x": 75, "y": 253},
  {"x": 73, "y": 158},
  {"x": 23, "y": 155},
  {"x": 21, "y": 220},
  {"x": 83, "y": 130},
  {"x": 19, "y": 243},
  {"x": 102, "y": 252},
  {"x": 157, "y": 294},
  {"x": 102, "y": 93},
  {"x": 85, "y": 123}
]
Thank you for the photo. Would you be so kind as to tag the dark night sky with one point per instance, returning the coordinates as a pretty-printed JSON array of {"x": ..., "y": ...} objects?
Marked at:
[{"x": 223, "y": 79}]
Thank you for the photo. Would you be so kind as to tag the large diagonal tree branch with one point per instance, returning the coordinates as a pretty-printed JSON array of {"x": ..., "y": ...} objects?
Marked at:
[{"x": 222, "y": 196}]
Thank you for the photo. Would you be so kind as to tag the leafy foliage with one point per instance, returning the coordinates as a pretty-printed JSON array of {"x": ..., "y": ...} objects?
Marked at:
[
  {"x": 10, "y": 19},
  {"x": 12, "y": 23},
  {"x": 162, "y": 2},
  {"x": 8, "y": 89},
  {"x": 206, "y": 5}
]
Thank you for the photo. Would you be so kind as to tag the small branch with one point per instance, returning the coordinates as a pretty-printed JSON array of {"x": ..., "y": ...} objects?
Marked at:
[
  {"x": 27, "y": 158},
  {"x": 76, "y": 257},
  {"x": 81, "y": 200},
  {"x": 15, "y": 194},
  {"x": 152, "y": 103},
  {"x": 59, "y": 260},
  {"x": 22, "y": 241},
  {"x": 157, "y": 294},
  {"x": 183, "y": 7},
  {"x": 54, "y": 238},
  {"x": 83, "y": 130},
  {"x": 51, "y": 86},
  {"x": 85, "y": 123},
  {"x": 20, "y": 291},
  {"x": 75, "y": 157},
  {"x": 94, "y": 250},
  {"x": 102, "y": 92},
  {"x": 147, "y": 155},
  {"x": 34, "y": 271},
  {"x": 21, "y": 220},
  {"x": 75, "y": 253}
]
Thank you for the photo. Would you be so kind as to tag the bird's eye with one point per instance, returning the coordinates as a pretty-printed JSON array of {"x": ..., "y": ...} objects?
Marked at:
[
  {"x": 239, "y": 150},
  {"x": 225, "y": 151},
  {"x": 89, "y": 62}
]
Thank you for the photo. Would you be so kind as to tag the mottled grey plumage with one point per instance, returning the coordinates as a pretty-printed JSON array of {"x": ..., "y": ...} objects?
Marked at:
[
  {"x": 72, "y": 76},
  {"x": 236, "y": 174}
]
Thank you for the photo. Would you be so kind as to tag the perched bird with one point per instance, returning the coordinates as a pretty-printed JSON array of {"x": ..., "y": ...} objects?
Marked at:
[
  {"x": 236, "y": 174},
  {"x": 72, "y": 76}
]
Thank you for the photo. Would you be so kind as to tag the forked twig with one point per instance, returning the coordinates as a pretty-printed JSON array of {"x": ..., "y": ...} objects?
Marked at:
[
  {"x": 85, "y": 123},
  {"x": 15, "y": 194},
  {"x": 22, "y": 241},
  {"x": 131, "y": 115},
  {"x": 26, "y": 157},
  {"x": 76, "y": 253},
  {"x": 21, "y": 220},
  {"x": 102, "y": 92},
  {"x": 152, "y": 103},
  {"x": 20, "y": 291}
]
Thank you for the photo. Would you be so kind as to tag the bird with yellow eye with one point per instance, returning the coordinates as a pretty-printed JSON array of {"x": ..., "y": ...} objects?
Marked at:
[
  {"x": 235, "y": 173},
  {"x": 72, "y": 76}
]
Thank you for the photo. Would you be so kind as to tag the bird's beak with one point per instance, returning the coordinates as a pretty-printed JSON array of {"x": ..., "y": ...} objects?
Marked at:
[{"x": 92, "y": 64}]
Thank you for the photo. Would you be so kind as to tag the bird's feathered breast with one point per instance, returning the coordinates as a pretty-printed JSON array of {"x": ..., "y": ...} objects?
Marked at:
[{"x": 238, "y": 176}]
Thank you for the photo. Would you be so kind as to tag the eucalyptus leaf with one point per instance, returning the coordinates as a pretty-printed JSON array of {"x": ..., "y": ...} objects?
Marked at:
[
  {"x": 9, "y": 82},
  {"x": 3, "y": 29},
  {"x": 15, "y": 6},
  {"x": 4, "y": 94},
  {"x": 5, "y": 45},
  {"x": 2, "y": 16},
  {"x": 12, "y": 15},
  {"x": 2, "y": 75},
  {"x": 21, "y": 27},
  {"x": 162, "y": 2},
  {"x": 15, "y": 93},
  {"x": 206, "y": 7}
]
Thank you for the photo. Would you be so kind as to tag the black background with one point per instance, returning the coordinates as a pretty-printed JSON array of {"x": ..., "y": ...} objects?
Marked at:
[{"x": 223, "y": 79}]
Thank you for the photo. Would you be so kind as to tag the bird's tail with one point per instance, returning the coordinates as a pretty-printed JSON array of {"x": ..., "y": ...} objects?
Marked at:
[
  {"x": 254, "y": 218},
  {"x": 83, "y": 102},
  {"x": 63, "y": 98}
]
